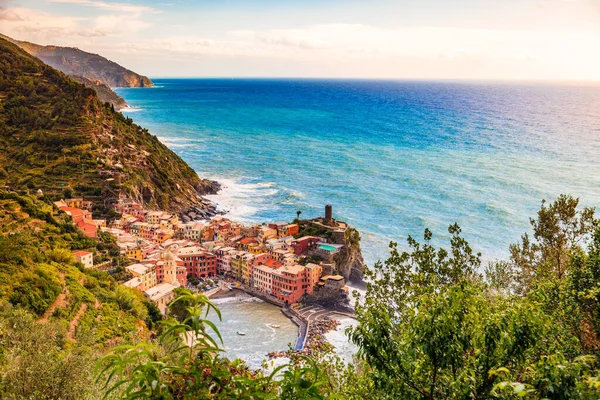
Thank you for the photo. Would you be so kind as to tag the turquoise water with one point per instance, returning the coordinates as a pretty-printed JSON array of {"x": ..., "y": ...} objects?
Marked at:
[{"x": 391, "y": 157}]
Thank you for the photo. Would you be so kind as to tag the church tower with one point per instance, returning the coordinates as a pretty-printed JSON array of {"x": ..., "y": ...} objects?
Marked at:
[{"x": 170, "y": 268}]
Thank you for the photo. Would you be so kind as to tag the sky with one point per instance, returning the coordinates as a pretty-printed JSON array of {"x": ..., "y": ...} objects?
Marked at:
[{"x": 556, "y": 40}]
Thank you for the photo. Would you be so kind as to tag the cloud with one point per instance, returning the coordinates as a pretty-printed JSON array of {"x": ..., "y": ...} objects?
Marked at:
[
  {"x": 8, "y": 15},
  {"x": 45, "y": 28},
  {"x": 56, "y": 32},
  {"x": 110, "y": 6},
  {"x": 124, "y": 24}
]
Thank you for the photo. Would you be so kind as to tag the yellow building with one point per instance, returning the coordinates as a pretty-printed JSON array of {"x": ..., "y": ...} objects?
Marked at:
[
  {"x": 146, "y": 273},
  {"x": 75, "y": 203},
  {"x": 134, "y": 254},
  {"x": 237, "y": 264},
  {"x": 246, "y": 269}
]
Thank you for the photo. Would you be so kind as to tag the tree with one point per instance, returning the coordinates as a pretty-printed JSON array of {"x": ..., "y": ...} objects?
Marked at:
[
  {"x": 583, "y": 288},
  {"x": 431, "y": 328},
  {"x": 559, "y": 230},
  {"x": 68, "y": 193},
  {"x": 184, "y": 298},
  {"x": 192, "y": 279},
  {"x": 154, "y": 315}
]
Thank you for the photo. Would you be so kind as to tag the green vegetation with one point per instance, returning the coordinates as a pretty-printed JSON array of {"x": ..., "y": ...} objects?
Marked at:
[
  {"x": 56, "y": 136},
  {"x": 308, "y": 229},
  {"x": 104, "y": 93},
  {"x": 56, "y": 318}
]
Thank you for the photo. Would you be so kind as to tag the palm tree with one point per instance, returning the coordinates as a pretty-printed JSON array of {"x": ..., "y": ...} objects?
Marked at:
[{"x": 298, "y": 215}]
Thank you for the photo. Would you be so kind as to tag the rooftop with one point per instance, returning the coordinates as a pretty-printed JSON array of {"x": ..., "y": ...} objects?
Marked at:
[
  {"x": 140, "y": 269},
  {"x": 134, "y": 282},
  {"x": 162, "y": 290}
]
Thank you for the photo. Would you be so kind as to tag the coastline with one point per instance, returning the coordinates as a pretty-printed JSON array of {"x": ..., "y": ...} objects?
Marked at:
[{"x": 312, "y": 332}]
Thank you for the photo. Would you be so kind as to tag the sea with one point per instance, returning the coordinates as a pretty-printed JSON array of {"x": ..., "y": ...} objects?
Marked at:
[{"x": 391, "y": 157}]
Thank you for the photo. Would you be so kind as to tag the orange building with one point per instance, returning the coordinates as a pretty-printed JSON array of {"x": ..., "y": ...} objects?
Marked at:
[{"x": 292, "y": 282}]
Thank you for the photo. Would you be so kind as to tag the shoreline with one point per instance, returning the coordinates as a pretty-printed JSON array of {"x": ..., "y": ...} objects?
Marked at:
[{"x": 311, "y": 333}]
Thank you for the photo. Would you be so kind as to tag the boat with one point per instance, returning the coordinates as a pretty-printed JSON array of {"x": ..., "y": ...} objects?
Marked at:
[
  {"x": 241, "y": 333},
  {"x": 275, "y": 326}
]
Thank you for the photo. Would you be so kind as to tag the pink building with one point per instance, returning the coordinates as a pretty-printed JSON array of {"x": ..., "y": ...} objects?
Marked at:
[
  {"x": 223, "y": 255},
  {"x": 198, "y": 261},
  {"x": 262, "y": 278},
  {"x": 292, "y": 282}
]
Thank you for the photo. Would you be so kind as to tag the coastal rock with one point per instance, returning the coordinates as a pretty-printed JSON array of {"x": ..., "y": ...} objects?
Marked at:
[
  {"x": 349, "y": 261},
  {"x": 104, "y": 93},
  {"x": 315, "y": 341}
]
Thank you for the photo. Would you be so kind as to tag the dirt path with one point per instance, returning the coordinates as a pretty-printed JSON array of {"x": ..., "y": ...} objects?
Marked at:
[{"x": 73, "y": 324}]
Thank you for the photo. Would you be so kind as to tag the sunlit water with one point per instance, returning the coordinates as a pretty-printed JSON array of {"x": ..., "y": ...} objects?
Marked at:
[
  {"x": 253, "y": 317},
  {"x": 391, "y": 157}
]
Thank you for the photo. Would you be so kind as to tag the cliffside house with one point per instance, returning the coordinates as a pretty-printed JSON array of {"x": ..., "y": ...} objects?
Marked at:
[{"x": 84, "y": 257}]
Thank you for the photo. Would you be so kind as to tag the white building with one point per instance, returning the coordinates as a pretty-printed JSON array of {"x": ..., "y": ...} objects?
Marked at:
[{"x": 85, "y": 257}]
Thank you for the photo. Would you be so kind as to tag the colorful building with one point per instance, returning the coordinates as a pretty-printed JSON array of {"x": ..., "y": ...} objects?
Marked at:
[
  {"x": 290, "y": 283},
  {"x": 303, "y": 244},
  {"x": 146, "y": 273},
  {"x": 198, "y": 261},
  {"x": 262, "y": 278}
]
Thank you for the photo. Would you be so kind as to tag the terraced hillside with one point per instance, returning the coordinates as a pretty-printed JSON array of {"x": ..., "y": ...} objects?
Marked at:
[
  {"x": 55, "y": 135},
  {"x": 56, "y": 317}
]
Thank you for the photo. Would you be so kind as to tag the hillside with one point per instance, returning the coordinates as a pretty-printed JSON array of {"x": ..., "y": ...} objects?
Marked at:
[
  {"x": 56, "y": 317},
  {"x": 55, "y": 135},
  {"x": 73, "y": 61},
  {"x": 104, "y": 93}
]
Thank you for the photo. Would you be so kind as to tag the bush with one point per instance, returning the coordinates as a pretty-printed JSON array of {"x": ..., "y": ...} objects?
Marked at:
[{"x": 61, "y": 256}]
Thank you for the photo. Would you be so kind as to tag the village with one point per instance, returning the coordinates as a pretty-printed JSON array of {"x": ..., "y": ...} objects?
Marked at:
[{"x": 270, "y": 260}]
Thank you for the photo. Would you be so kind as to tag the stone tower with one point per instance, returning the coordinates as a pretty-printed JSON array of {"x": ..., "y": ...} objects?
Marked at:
[
  {"x": 328, "y": 214},
  {"x": 170, "y": 268}
]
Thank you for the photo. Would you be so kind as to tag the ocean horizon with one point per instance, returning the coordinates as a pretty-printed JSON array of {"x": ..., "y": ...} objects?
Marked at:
[{"x": 393, "y": 157}]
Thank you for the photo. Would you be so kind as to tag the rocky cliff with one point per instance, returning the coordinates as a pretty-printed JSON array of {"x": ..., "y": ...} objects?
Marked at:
[
  {"x": 56, "y": 135},
  {"x": 73, "y": 61},
  {"x": 349, "y": 261}
]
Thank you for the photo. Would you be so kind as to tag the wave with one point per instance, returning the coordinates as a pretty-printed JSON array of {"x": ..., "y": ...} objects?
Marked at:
[
  {"x": 338, "y": 339},
  {"x": 130, "y": 109},
  {"x": 242, "y": 201},
  {"x": 179, "y": 142}
]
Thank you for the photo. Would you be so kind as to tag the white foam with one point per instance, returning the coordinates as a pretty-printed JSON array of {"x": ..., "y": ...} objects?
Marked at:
[
  {"x": 340, "y": 342},
  {"x": 242, "y": 201},
  {"x": 130, "y": 109},
  {"x": 179, "y": 142}
]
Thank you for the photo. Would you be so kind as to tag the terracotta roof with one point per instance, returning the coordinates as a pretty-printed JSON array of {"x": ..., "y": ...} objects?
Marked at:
[
  {"x": 273, "y": 263},
  {"x": 81, "y": 253},
  {"x": 248, "y": 240}
]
